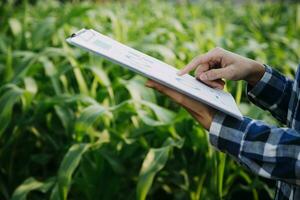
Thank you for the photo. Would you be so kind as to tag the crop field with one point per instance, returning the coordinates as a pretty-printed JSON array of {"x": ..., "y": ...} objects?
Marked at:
[{"x": 75, "y": 126}]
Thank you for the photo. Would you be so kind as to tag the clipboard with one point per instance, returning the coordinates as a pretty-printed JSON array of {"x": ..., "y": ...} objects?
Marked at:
[{"x": 152, "y": 68}]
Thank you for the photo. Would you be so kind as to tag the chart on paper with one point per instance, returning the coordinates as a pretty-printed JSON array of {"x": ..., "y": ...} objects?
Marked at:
[{"x": 154, "y": 69}]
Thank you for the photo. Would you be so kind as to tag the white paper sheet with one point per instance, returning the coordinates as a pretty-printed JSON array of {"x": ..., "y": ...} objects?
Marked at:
[{"x": 154, "y": 69}]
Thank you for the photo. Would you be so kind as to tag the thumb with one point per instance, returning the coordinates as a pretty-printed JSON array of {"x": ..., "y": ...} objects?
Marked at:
[{"x": 215, "y": 74}]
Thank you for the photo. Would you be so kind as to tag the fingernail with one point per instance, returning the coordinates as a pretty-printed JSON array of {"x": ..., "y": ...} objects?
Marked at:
[
  {"x": 179, "y": 73},
  {"x": 203, "y": 77}
]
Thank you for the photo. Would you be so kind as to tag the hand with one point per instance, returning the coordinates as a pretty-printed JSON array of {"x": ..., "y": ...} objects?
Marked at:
[
  {"x": 218, "y": 63},
  {"x": 202, "y": 113}
]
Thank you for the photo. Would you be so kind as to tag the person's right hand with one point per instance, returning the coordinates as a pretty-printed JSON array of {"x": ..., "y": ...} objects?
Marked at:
[{"x": 219, "y": 64}]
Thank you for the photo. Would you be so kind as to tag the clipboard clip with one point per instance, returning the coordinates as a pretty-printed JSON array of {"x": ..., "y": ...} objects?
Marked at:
[
  {"x": 84, "y": 34},
  {"x": 78, "y": 33}
]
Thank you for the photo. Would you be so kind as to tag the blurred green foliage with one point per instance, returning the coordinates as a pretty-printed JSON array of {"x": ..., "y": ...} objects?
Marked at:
[{"x": 74, "y": 126}]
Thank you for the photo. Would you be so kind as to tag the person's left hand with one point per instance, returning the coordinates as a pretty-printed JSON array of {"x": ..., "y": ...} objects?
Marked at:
[{"x": 202, "y": 113}]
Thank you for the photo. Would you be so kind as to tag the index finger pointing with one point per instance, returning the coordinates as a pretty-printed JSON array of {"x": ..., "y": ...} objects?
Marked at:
[{"x": 194, "y": 63}]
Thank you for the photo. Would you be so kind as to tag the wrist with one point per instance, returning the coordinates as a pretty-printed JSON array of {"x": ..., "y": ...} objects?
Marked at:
[
  {"x": 207, "y": 120},
  {"x": 257, "y": 71}
]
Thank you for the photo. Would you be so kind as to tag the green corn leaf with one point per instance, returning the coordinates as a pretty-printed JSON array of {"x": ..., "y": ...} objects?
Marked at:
[
  {"x": 31, "y": 89},
  {"x": 101, "y": 76},
  {"x": 88, "y": 116},
  {"x": 138, "y": 91},
  {"x": 80, "y": 81},
  {"x": 154, "y": 161},
  {"x": 114, "y": 162},
  {"x": 7, "y": 101},
  {"x": 221, "y": 169},
  {"x": 29, "y": 185},
  {"x": 30, "y": 85},
  {"x": 145, "y": 96},
  {"x": 8, "y": 69},
  {"x": 51, "y": 72},
  {"x": 164, "y": 115},
  {"x": 239, "y": 92},
  {"x": 66, "y": 116},
  {"x": 15, "y": 26},
  {"x": 66, "y": 98},
  {"x": 167, "y": 54},
  {"x": 66, "y": 170}
]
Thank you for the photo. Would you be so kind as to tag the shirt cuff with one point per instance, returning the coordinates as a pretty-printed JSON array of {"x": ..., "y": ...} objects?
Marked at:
[
  {"x": 254, "y": 91},
  {"x": 227, "y": 133},
  {"x": 272, "y": 81}
]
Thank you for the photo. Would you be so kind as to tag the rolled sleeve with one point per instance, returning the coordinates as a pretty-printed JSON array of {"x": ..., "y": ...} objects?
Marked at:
[
  {"x": 226, "y": 133},
  {"x": 272, "y": 93},
  {"x": 266, "y": 150}
]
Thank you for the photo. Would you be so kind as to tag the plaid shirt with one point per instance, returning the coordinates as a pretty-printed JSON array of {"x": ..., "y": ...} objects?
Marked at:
[{"x": 269, "y": 151}]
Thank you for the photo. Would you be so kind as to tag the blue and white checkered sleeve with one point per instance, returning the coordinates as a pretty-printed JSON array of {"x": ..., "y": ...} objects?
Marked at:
[
  {"x": 266, "y": 150},
  {"x": 272, "y": 93}
]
